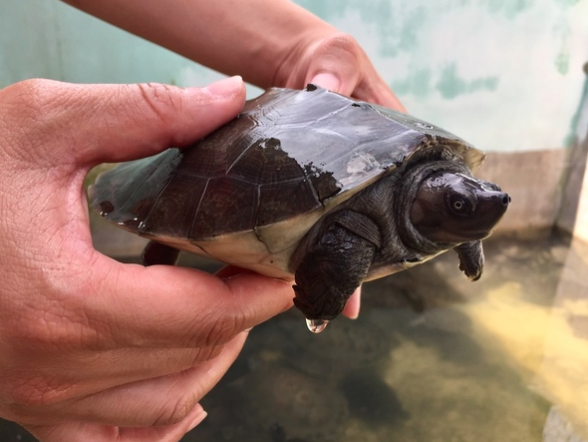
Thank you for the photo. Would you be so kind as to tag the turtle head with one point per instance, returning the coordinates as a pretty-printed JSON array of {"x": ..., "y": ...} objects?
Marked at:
[{"x": 455, "y": 208}]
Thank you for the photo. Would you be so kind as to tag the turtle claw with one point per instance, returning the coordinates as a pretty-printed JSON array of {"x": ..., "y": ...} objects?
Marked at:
[{"x": 471, "y": 259}]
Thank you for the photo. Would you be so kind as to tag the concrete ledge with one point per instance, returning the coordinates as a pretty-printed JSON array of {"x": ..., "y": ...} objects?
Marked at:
[{"x": 533, "y": 180}]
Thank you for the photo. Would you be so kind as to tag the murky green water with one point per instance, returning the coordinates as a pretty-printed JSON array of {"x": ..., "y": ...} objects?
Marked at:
[{"x": 433, "y": 357}]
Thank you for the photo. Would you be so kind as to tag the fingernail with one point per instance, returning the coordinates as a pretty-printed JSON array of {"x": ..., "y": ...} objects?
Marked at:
[
  {"x": 327, "y": 81},
  {"x": 227, "y": 87},
  {"x": 200, "y": 416}
]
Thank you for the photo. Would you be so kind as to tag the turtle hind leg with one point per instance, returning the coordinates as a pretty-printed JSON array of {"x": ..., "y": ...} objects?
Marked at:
[
  {"x": 471, "y": 259},
  {"x": 156, "y": 253}
]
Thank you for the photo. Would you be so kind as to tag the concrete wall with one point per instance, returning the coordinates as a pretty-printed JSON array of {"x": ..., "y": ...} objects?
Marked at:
[
  {"x": 573, "y": 214},
  {"x": 505, "y": 75}
]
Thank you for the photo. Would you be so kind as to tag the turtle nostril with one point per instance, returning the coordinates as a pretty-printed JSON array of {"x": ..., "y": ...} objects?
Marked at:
[{"x": 506, "y": 199}]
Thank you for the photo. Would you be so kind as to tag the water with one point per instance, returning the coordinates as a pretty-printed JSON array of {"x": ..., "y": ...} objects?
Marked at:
[
  {"x": 316, "y": 325},
  {"x": 432, "y": 358}
]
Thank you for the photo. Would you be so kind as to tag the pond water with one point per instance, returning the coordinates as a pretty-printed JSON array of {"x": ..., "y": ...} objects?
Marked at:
[{"x": 433, "y": 357}]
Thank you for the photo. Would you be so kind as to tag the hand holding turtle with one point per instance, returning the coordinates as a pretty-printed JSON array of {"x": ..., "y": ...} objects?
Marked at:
[
  {"x": 90, "y": 346},
  {"x": 337, "y": 62}
]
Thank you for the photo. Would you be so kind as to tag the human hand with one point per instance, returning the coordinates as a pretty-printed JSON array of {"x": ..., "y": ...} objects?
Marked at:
[
  {"x": 335, "y": 61},
  {"x": 93, "y": 349}
]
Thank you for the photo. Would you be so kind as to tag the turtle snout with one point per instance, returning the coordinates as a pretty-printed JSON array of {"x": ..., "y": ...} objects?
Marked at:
[
  {"x": 491, "y": 206},
  {"x": 494, "y": 209},
  {"x": 505, "y": 199},
  {"x": 498, "y": 200},
  {"x": 496, "y": 193}
]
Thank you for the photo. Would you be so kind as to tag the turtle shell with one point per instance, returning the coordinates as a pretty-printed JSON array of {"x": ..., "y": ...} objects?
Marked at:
[{"x": 247, "y": 193}]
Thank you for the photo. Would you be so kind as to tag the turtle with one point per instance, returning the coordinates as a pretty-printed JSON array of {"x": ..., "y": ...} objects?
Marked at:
[{"x": 313, "y": 187}]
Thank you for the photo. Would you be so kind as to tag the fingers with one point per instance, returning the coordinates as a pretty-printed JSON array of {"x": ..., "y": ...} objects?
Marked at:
[
  {"x": 178, "y": 307},
  {"x": 82, "y": 432},
  {"x": 146, "y": 323},
  {"x": 351, "y": 309},
  {"x": 339, "y": 64},
  {"x": 112, "y": 123},
  {"x": 161, "y": 401},
  {"x": 169, "y": 433},
  {"x": 328, "y": 81},
  {"x": 111, "y": 368},
  {"x": 334, "y": 64}
]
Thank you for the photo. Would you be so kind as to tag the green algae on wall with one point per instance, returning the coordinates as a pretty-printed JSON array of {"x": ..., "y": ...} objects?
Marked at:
[{"x": 450, "y": 84}]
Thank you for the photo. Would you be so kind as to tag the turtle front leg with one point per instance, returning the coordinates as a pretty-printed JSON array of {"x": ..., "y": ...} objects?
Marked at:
[
  {"x": 471, "y": 259},
  {"x": 156, "y": 253},
  {"x": 330, "y": 272}
]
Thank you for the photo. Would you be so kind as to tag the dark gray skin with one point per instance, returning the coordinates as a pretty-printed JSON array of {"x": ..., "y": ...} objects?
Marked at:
[{"x": 403, "y": 219}]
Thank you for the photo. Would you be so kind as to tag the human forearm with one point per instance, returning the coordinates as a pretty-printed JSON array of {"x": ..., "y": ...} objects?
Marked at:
[
  {"x": 252, "y": 38},
  {"x": 267, "y": 42}
]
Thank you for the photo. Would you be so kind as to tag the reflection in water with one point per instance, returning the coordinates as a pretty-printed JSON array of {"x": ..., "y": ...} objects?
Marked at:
[
  {"x": 432, "y": 357},
  {"x": 316, "y": 325}
]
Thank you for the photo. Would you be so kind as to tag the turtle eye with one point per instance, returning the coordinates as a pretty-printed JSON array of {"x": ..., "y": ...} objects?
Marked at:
[{"x": 459, "y": 205}]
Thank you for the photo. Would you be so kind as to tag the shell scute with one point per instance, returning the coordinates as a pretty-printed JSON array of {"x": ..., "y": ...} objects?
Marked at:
[
  {"x": 287, "y": 199},
  {"x": 173, "y": 212},
  {"x": 227, "y": 205},
  {"x": 266, "y": 163}
]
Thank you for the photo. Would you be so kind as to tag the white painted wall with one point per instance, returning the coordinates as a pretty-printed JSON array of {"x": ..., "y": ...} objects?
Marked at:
[{"x": 505, "y": 75}]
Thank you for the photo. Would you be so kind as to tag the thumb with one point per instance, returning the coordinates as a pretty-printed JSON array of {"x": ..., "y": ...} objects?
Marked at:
[
  {"x": 90, "y": 124},
  {"x": 152, "y": 117},
  {"x": 327, "y": 80}
]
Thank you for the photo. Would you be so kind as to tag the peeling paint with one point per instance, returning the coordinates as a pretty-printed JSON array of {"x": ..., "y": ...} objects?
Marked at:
[
  {"x": 562, "y": 62},
  {"x": 451, "y": 85},
  {"x": 567, "y": 3},
  {"x": 417, "y": 84},
  {"x": 509, "y": 8}
]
